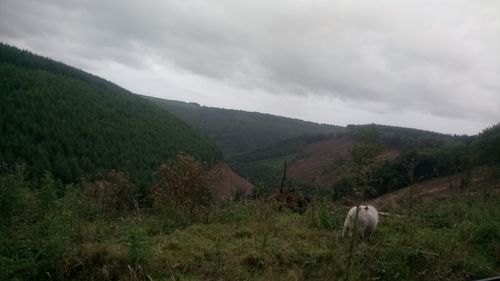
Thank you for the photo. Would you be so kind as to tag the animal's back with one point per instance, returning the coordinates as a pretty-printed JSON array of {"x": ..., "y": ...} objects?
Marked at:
[
  {"x": 367, "y": 220},
  {"x": 372, "y": 217}
]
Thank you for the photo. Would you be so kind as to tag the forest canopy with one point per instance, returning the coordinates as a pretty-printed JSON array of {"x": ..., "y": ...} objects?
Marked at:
[{"x": 60, "y": 119}]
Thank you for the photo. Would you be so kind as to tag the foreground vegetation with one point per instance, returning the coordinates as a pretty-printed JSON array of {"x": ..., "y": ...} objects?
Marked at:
[{"x": 72, "y": 234}]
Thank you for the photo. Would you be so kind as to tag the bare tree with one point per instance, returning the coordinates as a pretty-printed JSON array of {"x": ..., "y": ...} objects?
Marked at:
[
  {"x": 290, "y": 199},
  {"x": 460, "y": 171},
  {"x": 410, "y": 166}
]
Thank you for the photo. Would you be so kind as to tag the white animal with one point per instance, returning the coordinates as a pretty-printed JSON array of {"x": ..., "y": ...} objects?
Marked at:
[{"x": 366, "y": 224}]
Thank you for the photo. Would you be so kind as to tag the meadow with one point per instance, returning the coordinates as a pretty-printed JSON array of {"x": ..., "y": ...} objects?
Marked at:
[{"x": 74, "y": 236}]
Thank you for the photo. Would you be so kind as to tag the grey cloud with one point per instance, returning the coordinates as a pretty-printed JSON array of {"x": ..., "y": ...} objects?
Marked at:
[{"x": 428, "y": 56}]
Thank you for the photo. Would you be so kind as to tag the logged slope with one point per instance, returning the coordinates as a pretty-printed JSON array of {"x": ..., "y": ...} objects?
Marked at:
[
  {"x": 484, "y": 179},
  {"x": 57, "y": 118},
  {"x": 228, "y": 184},
  {"x": 318, "y": 161},
  {"x": 322, "y": 160},
  {"x": 321, "y": 164},
  {"x": 239, "y": 132}
]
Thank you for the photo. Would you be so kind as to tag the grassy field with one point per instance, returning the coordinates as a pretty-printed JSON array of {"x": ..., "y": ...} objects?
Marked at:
[
  {"x": 455, "y": 240},
  {"x": 74, "y": 238}
]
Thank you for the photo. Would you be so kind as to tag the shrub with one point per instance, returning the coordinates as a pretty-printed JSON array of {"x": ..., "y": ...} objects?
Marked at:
[
  {"x": 115, "y": 192},
  {"x": 183, "y": 186}
]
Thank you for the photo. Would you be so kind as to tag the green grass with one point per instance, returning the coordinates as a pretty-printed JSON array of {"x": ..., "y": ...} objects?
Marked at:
[
  {"x": 454, "y": 239},
  {"x": 254, "y": 242}
]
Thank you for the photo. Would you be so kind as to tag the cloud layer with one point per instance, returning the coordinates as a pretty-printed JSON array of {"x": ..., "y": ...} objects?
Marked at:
[{"x": 374, "y": 61}]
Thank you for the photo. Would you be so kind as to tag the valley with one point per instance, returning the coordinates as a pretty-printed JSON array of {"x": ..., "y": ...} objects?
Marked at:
[{"x": 99, "y": 183}]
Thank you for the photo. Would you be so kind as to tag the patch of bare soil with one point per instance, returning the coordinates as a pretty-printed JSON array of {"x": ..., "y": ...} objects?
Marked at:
[
  {"x": 228, "y": 184},
  {"x": 321, "y": 162},
  {"x": 324, "y": 162},
  {"x": 483, "y": 179}
]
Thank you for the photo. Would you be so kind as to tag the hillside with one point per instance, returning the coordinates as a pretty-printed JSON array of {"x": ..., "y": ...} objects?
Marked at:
[
  {"x": 484, "y": 180},
  {"x": 320, "y": 161},
  {"x": 238, "y": 132},
  {"x": 228, "y": 184},
  {"x": 323, "y": 163},
  {"x": 57, "y": 118}
]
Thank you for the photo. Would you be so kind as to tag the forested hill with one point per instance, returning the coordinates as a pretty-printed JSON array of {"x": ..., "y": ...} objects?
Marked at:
[
  {"x": 57, "y": 118},
  {"x": 238, "y": 131},
  {"x": 325, "y": 160}
]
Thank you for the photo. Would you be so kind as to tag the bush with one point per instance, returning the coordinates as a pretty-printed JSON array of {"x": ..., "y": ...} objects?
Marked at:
[
  {"x": 115, "y": 192},
  {"x": 182, "y": 186}
]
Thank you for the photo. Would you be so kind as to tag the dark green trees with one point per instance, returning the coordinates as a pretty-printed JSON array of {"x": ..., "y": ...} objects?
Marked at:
[{"x": 59, "y": 119}]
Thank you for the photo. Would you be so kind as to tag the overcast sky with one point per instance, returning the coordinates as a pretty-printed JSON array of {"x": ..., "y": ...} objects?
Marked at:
[{"x": 428, "y": 64}]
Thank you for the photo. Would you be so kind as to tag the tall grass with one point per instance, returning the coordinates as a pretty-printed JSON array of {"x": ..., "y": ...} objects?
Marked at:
[{"x": 73, "y": 238}]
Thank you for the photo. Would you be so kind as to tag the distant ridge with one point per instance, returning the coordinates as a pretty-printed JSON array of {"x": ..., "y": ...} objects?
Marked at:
[{"x": 237, "y": 131}]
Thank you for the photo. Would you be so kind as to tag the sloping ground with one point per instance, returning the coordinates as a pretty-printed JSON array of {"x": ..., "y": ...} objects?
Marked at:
[
  {"x": 228, "y": 184},
  {"x": 323, "y": 162},
  {"x": 76, "y": 238},
  {"x": 59, "y": 119},
  {"x": 483, "y": 179},
  {"x": 456, "y": 240},
  {"x": 238, "y": 132}
]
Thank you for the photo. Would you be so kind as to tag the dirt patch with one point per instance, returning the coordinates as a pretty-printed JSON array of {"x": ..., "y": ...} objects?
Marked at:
[
  {"x": 482, "y": 180},
  {"x": 228, "y": 184},
  {"x": 323, "y": 163}
]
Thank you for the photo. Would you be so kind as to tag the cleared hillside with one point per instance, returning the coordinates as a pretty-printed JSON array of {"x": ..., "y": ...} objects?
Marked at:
[
  {"x": 229, "y": 185},
  {"x": 321, "y": 161},
  {"x": 484, "y": 180},
  {"x": 57, "y": 118}
]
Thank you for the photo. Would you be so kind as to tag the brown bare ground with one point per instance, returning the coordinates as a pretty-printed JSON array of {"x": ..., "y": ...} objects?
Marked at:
[
  {"x": 227, "y": 183},
  {"x": 482, "y": 180},
  {"x": 318, "y": 165},
  {"x": 321, "y": 164}
]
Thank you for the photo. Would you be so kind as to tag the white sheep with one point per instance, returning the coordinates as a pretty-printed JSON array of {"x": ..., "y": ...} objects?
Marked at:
[{"x": 366, "y": 224}]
